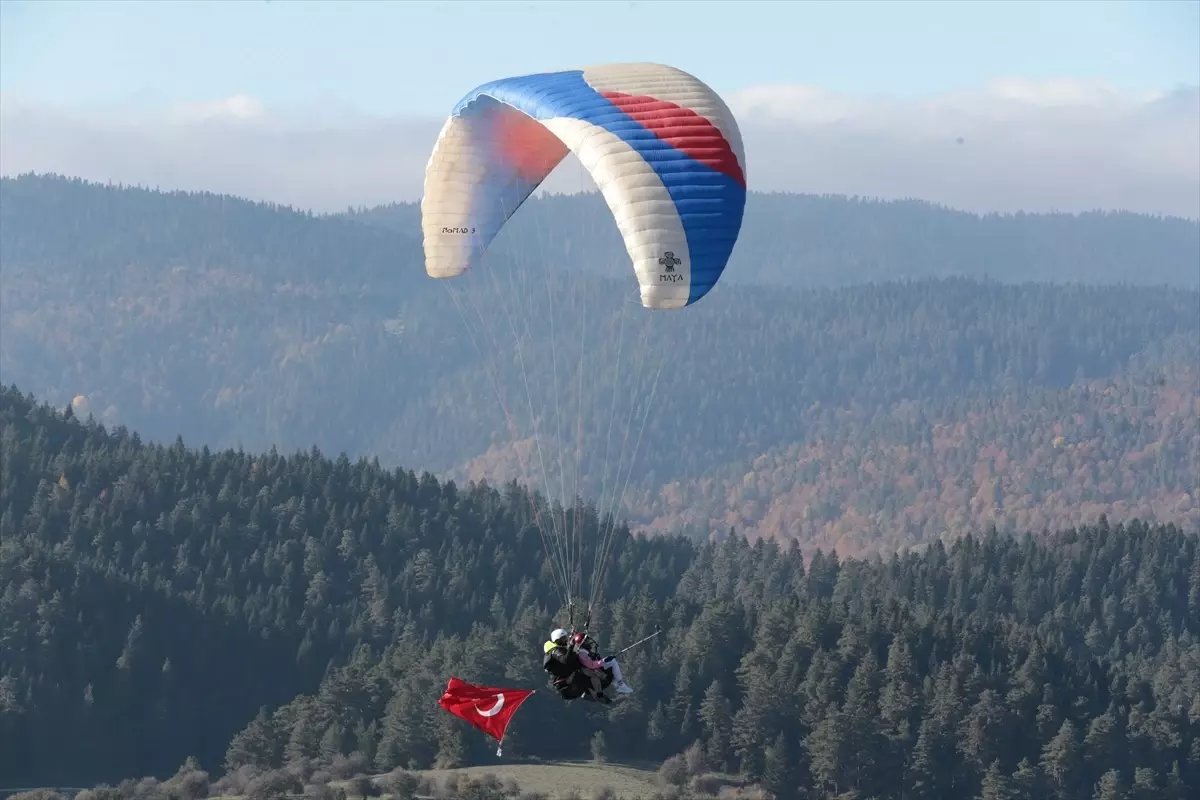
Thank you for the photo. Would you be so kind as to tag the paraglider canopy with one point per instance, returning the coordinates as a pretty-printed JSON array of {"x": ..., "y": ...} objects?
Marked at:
[
  {"x": 666, "y": 154},
  {"x": 661, "y": 146}
]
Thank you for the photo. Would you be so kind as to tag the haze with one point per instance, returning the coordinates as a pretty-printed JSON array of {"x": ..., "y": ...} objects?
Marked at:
[{"x": 982, "y": 107}]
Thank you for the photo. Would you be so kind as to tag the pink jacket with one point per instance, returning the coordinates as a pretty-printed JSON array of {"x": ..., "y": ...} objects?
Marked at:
[{"x": 588, "y": 660}]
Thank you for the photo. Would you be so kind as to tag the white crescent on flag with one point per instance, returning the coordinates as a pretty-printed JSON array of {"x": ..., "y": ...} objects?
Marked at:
[
  {"x": 494, "y": 710},
  {"x": 471, "y": 703}
]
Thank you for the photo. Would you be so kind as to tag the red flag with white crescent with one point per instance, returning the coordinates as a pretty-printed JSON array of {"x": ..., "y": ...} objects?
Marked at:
[{"x": 486, "y": 707}]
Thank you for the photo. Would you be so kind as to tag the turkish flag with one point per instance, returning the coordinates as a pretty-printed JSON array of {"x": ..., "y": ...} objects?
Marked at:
[{"x": 486, "y": 707}]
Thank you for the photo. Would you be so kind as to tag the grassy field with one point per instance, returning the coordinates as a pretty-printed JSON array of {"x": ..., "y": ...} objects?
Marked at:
[{"x": 560, "y": 779}]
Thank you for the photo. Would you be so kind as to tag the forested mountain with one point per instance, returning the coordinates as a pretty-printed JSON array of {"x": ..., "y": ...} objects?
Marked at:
[
  {"x": 855, "y": 416},
  {"x": 828, "y": 241},
  {"x": 262, "y": 611}
]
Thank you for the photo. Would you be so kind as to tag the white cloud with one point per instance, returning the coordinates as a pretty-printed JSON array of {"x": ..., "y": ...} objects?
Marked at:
[
  {"x": 1064, "y": 145},
  {"x": 234, "y": 146},
  {"x": 1058, "y": 145},
  {"x": 237, "y": 107}
]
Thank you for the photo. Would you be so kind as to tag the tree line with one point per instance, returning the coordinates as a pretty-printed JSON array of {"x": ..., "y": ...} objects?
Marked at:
[{"x": 265, "y": 612}]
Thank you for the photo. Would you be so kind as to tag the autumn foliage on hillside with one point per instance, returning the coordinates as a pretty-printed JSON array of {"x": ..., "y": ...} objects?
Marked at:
[{"x": 1127, "y": 446}]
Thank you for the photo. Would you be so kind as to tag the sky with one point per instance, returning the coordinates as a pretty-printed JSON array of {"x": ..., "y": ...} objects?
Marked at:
[{"x": 984, "y": 106}]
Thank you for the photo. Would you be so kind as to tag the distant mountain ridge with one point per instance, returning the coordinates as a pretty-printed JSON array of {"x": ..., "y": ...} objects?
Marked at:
[
  {"x": 804, "y": 241},
  {"x": 804, "y": 403}
]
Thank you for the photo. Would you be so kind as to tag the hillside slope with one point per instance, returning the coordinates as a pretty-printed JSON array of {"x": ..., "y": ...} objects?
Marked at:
[
  {"x": 821, "y": 413},
  {"x": 262, "y": 612},
  {"x": 168, "y": 592}
]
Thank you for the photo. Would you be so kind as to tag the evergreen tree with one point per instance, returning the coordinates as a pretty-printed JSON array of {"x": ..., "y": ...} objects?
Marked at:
[
  {"x": 780, "y": 769},
  {"x": 1061, "y": 761},
  {"x": 1110, "y": 787},
  {"x": 716, "y": 717},
  {"x": 995, "y": 784}
]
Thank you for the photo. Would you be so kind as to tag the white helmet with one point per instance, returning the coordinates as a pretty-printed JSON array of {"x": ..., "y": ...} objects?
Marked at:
[{"x": 557, "y": 633}]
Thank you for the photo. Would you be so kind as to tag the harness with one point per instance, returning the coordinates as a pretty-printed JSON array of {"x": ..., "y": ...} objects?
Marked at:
[
  {"x": 560, "y": 662},
  {"x": 569, "y": 678}
]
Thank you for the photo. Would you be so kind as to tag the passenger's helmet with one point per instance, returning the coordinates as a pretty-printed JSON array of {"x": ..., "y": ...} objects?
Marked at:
[
  {"x": 578, "y": 639},
  {"x": 557, "y": 635}
]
